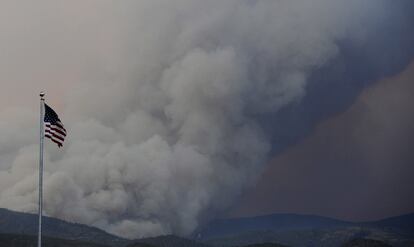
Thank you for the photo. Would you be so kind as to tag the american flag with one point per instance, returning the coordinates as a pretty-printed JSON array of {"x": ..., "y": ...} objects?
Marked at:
[{"x": 54, "y": 129}]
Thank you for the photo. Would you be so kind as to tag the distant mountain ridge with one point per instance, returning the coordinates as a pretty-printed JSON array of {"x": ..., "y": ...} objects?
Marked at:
[
  {"x": 18, "y": 240},
  {"x": 274, "y": 222},
  {"x": 287, "y": 229},
  {"x": 20, "y": 229},
  {"x": 295, "y": 222},
  {"x": 403, "y": 224},
  {"x": 12, "y": 222},
  {"x": 305, "y": 230},
  {"x": 168, "y": 241}
]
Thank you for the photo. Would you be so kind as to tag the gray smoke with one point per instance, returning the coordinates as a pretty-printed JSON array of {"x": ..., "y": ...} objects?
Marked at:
[{"x": 160, "y": 99}]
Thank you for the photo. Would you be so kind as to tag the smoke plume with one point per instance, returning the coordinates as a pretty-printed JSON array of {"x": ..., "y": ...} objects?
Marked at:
[{"x": 161, "y": 100}]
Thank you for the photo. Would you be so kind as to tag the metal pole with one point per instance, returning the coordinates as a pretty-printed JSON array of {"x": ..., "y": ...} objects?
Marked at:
[{"x": 42, "y": 102}]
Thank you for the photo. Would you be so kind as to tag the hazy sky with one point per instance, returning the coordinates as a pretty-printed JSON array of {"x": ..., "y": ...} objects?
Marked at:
[
  {"x": 356, "y": 165},
  {"x": 170, "y": 105}
]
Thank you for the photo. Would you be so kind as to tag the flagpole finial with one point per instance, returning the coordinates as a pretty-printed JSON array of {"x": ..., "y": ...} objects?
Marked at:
[{"x": 42, "y": 95}]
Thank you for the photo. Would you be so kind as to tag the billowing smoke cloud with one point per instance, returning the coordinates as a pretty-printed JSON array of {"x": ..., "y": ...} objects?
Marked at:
[{"x": 160, "y": 99}]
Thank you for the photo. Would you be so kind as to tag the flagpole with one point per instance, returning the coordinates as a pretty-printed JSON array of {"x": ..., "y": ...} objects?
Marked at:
[{"x": 40, "y": 208}]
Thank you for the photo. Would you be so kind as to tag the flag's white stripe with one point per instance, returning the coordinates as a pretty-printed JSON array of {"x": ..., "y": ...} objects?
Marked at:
[
  {"x": 56, "y": 132},
  {"x": 47, "y": 124},
  {"x": 53, "y": 134},
  {"x": 58, "y": 124},
  {"x": 56, "y": 141},
  {"x": 60, "y": 133},
  {"x": 53, "y": 138}
]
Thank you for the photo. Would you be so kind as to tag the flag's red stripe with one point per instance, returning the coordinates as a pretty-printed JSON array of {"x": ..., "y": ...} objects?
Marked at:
[
  {"x": 57, "y": 130},
  {"x": 54, "y": 135},
  {"x": 55, "y": 127},
  {"x": 51, "y": 136},
  {"x": 59, "y": 124},
  {"x": 58, "y": 143},
  {"x": 54, "y": 140}
]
